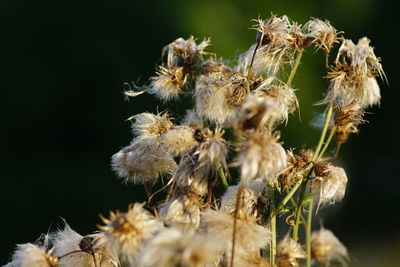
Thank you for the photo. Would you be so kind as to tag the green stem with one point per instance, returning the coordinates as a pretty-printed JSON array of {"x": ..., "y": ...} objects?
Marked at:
[
  {"x": 296, "y": 65},
  {"x": 328, "y": 141},
  {"x": 288, "y": 197},
  {"x": 301, "y": 215},
  {"x": 223, "y": 177},
  {"x": 308, "y": 232},
  {"x": 324, "y": 130},
  {"x": 272, "y": 223},
  {"x": 298, "y": 210}
]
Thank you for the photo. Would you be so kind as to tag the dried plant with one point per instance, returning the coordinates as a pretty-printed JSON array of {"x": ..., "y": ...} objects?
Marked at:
[{"x": 196, "y": 225}]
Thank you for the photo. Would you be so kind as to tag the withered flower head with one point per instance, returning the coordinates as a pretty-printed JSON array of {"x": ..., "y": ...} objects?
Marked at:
[
  {"x": 326, "y": 248},
  {"x": 261, "y": 156},
  {"x": 30, "y": 255},
  {"x": 330, "y": 183},
  {"x": 143, "y": 161},
  {"x": 288, "y": 251},
  {"x": 126, "y": 232},
  {"x": 151, "y": 125},
  {"x": 178, "y": 140},
  {"x": 321, "y": 33},
  {"x": 168, "y": 83},
  {"x": 184, "y": 53},
  {"x": 296, "y": 166},
  {"x": 346, "y": 120},
  {"x": 274, "y": 32}
]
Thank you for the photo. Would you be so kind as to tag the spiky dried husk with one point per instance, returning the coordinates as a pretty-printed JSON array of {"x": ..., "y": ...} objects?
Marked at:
[
  {"x": 151, "y": 125},
  {"x": 126, "y": 232},
  {"x": 296, "y": 166},
  {"x": 143, "y": 161},
  {"x": 346, "y": 120},
  {"x": 168, "y": 83},
  {"x": 321, "y": 33}
]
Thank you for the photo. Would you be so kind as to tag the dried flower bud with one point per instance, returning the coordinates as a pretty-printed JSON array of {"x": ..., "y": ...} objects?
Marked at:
[
  {"x": 126, "y": 232},
  {"x": 142, "y": 162},
  {"x": 261, "y": 156},
  {"x": 151, "y": 125},
  {"x": 288, "y": 251},
  {"x": 326, "y": 248},
  {"x": 296, "y": 166},
  {"x": 346, "y": 120},
  {"x": 168, "y": 83},
  {"x": 30, "y": 255},
  {"x": 330, "y": 184},
  {"x": 172, "y": 248}
]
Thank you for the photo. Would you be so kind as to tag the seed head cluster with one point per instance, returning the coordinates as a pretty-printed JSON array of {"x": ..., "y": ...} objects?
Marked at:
[{"x": 218, "y": 179}]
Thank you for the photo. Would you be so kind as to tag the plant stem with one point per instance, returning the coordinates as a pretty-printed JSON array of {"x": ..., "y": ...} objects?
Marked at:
[
  {"x": 237, "y": 207},
  {"x": 308, "y": 232},
  {"x": 323, "y": 133},
  {"x": 288, "y": 197},
  {"x": 272, "y": 223},
  {"x": 296, "y": 65},
  {"x": 298, "y": 210},
  {"x": 328, "y": 141}
]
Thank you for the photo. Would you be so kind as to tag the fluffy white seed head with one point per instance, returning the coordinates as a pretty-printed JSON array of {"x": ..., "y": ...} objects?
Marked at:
[
  {"x": 178, "y": 140},
  {"x": 151, "y": 125},
  {"x": 322, "y": 33},
  {"x": 127, "y": 232},
  {"x": 172, "y": 247},
  {"x": 143, "y": 161},
  {"x": 326, "y": 248},
  {"x": 329, "y": 186},
  {"x": 168, "y": 83},
  {"x": 288, "y": 251},
  {"x": 261, "y": 156},
  {"x": 30, "y": 255}
]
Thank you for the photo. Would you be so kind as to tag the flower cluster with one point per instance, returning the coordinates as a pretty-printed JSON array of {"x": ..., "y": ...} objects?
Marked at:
[{"x": 226, "y": 175}]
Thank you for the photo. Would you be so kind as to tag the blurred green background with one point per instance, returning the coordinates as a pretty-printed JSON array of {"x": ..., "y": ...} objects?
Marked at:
[{"x": 63, "y": 113}]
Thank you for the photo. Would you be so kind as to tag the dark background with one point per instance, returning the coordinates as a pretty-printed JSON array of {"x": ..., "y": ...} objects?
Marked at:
[{"x": 63, "y": 113}]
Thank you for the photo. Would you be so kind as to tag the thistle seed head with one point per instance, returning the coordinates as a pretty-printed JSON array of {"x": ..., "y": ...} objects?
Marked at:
[{"x": 326, "y": 248}]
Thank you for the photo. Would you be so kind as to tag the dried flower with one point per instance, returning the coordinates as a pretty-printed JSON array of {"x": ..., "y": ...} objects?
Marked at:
[
  {"x": 326, "y": 248},
  {"x": 173, "y": 248},
  {"x": 288, "y": 251},
  {"x": 151, "y": 125},
  {"x": 346, "y": 120},
  {"x": 142, "y": 162},
  {"x": 183, "y": 210},
  {"x": 126, "y": 232},
  {"x": 178, "y": 140},
  {"x": 330, "y": 183},
  {"x": 168, "y": 83},
  {"x": 296, "y": 166},
  {"x": 261, "y": 156},
  {"x": 321, "y": 33},
  {"x": 30, "y": 255}
]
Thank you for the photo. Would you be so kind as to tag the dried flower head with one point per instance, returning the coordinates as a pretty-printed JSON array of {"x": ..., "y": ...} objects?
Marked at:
[
  {"x": 185, "y": 53},
  {"x": 254, "y": 195},
  {"x": 330, "y": 183},
  {"x": 172, "y": 248},
  {"x": 281, "y": 95},
  {"x": 151, "y": 125},
  {"x": 288, "y": 251},
  {"x": 326, "y": 248},
  {"x": 126, "y": 232},
  {"x": 250, "y": 260},
  {"x": 198, "y": 168},
  {"x": 183, "y": 210},
  {"x": 296, "y": 166},
  {"x": 321, "y": 33},
  {"x": 261, "y": 156},
  {"x": 143, "y": 161},
  {"x": 168, "y": 83},
  {"x": 250, "y": 237},
  {"x": 346, "y": 120},
  {"x": 178, "y": 140},
  {"x": 353, "y": 77},
  {"x": 30, "y": 255}
]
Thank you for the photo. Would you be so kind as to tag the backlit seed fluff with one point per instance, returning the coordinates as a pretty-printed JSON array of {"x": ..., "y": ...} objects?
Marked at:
[
  {"x": 250, "y": 237},
  {"x": 288, "y": 251},
  {"x": 192, "y": 120},
  {"x": 322, "y": 33},
  {"x": 261, "y": 156},
  {"x": 211, "y": 98},
  {"x": 250, "y": 260},
  {"x": 256, "y": 193},
  {"x": 178, "y": 140},
  {"x": 30, "y": 255},
  {"x": 329, "y": 187},
  {"x": 281, "y": 95},
  {"x": 327, "y": 249},
  {"x": 126, "y": 232},
  {"x": 185, "y": 53},
  {"x": 182, "y": 211},
  {"x": 171, "y": 248},
  {"x": 143, "y": 161},
  {"x": 151, "y": 125},
  {"x": 168, "y": 83}
]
